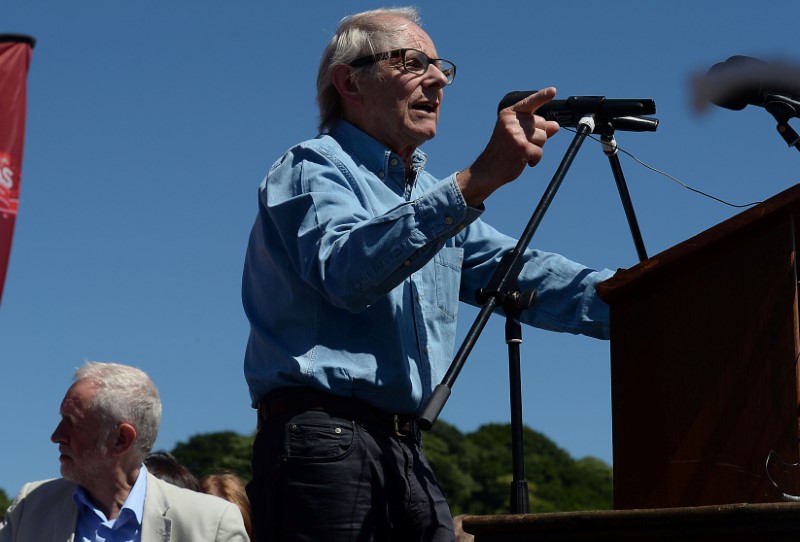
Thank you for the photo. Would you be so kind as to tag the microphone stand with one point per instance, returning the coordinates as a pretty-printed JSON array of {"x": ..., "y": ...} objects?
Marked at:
[
  {"x": 783, "y": 109},
  {"x": 503, "y": 291}
]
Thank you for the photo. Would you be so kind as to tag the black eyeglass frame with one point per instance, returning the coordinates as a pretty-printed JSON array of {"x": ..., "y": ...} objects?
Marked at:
[{"x": 401, "y": 53}]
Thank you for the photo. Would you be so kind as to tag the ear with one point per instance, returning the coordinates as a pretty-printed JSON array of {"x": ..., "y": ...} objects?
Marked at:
[
  {"x": 125, "y": 439},
  {"x": 342, "y": 80}
]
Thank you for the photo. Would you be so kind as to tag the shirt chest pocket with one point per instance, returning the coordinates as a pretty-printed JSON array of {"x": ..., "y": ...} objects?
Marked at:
[{"x": 447, "y": 270}]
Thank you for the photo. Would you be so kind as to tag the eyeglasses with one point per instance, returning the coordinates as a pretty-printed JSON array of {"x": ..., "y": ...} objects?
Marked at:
[{"x": 414, "y": 61}]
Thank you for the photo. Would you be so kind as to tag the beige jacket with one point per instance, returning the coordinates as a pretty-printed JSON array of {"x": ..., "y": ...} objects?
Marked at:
[{"x": 45, "y": 512}]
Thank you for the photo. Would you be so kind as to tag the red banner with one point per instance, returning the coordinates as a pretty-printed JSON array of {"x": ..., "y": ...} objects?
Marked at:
[{"x": 15, "y": 57}]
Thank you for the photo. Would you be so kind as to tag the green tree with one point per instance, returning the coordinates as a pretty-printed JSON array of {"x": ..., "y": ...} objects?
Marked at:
[
  {"x": 490, "y": 465},
  {"x": 476, "y": 472},
  {"x": 447, "y": 450},
  {"x": 592, "y": 488},
  {"x": 5, "y": 502},
  {"x": 214, "y": 452}
]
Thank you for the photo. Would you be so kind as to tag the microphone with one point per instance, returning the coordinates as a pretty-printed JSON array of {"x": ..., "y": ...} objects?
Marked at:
[
  {"x": 741, "y": 80},
  {"x": 569, "y": 112},
  {"x": 625, "y": 124}
]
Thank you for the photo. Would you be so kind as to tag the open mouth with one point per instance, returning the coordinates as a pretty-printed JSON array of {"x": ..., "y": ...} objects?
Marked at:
[{"x": 426, "y": 107}]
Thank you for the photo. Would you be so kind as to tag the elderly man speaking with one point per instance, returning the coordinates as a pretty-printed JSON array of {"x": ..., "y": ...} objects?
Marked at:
[
  {"x": 353, "y": 274},
  {"x": 109, "y": 422}
]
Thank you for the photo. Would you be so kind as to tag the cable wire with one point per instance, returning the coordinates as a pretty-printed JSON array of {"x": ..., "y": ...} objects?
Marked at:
[{"x": 672, "y": 178}]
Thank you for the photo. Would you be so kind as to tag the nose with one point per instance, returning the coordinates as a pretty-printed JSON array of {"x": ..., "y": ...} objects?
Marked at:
[
  {"x": 58, "y": 436},
  {"x": 436, "y": 76}
]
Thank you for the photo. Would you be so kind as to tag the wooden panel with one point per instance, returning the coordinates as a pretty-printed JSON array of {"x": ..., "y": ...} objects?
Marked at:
[{"x": 704, "y": 379}]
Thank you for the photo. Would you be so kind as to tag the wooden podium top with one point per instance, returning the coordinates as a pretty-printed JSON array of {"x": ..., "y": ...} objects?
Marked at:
[
  {"x": 732, "y": 522},
  {"x": 782, "y": 203}
]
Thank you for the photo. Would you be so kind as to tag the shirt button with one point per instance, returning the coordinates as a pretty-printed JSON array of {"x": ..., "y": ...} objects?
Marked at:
[
  {"x": 381, "y": 174},
  {"x": 393, "y": 162},
  {"x": 449, "y": 220},
  {"x": 407, "y": 263}
]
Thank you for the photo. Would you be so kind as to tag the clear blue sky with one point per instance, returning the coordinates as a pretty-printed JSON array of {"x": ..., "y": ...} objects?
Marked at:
[{"x": 151, "y": 124}]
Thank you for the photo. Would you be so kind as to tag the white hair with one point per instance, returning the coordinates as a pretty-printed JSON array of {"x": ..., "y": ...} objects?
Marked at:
[
  {"x": 124, "y": 394},
  {"x": 358, "y": 35}
]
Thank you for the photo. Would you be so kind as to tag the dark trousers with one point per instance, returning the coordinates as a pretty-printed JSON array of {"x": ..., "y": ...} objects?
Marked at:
[{"x": 340, "y": 472}]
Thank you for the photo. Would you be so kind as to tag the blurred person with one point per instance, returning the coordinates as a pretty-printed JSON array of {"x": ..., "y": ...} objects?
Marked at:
[
  {"x": 165, "y": 466},
  {"x": 353, "y": 273},
  {"x": 110, "y": 417},
  {"x": 231, "y": 487}
]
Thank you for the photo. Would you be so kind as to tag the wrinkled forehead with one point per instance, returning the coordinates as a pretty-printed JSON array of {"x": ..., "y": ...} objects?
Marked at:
[
  {"x": 420, "y": 40},
  {"x": 413, "y": 37},
  {"x": 79, "y": 396}
]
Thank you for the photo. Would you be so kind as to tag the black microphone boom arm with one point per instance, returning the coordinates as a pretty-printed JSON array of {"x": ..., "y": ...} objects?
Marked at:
[{"x": 569, "y": 112}]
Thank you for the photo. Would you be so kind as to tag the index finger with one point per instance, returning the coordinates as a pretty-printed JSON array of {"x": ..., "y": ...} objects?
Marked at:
[{"x": 534, "y": 101}]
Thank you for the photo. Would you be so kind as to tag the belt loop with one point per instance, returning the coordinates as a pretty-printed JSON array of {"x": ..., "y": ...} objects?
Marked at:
[
  {"x": 260, "y": 417},
  {"x": 397, "y": 428},
  {"x": 405, "y": 426}
]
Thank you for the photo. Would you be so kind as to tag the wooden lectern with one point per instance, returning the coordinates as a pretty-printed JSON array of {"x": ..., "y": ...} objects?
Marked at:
[
  {"x": 704, "y": 351},
  {"x": 705, "y": 402}
]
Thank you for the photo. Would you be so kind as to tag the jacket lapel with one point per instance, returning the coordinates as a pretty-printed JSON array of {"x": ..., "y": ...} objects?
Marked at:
[
  {"x": 156, "y": 527},
  {"x": 63, "y": 528}
]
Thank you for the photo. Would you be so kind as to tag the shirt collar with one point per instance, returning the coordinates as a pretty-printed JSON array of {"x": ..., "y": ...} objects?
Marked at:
[
  {"x": 371, "y": 152},
  {"x": 132, "y": 508}
]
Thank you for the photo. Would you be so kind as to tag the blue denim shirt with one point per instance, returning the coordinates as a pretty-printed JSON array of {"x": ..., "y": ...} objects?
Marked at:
[{"x": 353, "y": 274}]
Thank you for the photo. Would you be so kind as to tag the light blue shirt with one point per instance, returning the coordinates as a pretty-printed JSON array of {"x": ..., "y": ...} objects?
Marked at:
[
  {"x": 353, "y": 275},
  {"x": 93, "y": 526}
]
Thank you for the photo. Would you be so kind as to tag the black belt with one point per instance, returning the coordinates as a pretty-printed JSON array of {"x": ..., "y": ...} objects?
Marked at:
[{"x": 289, "y": 401}]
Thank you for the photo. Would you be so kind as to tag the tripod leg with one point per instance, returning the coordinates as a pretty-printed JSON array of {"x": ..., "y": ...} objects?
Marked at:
[{"x": 610, "y": 148}]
